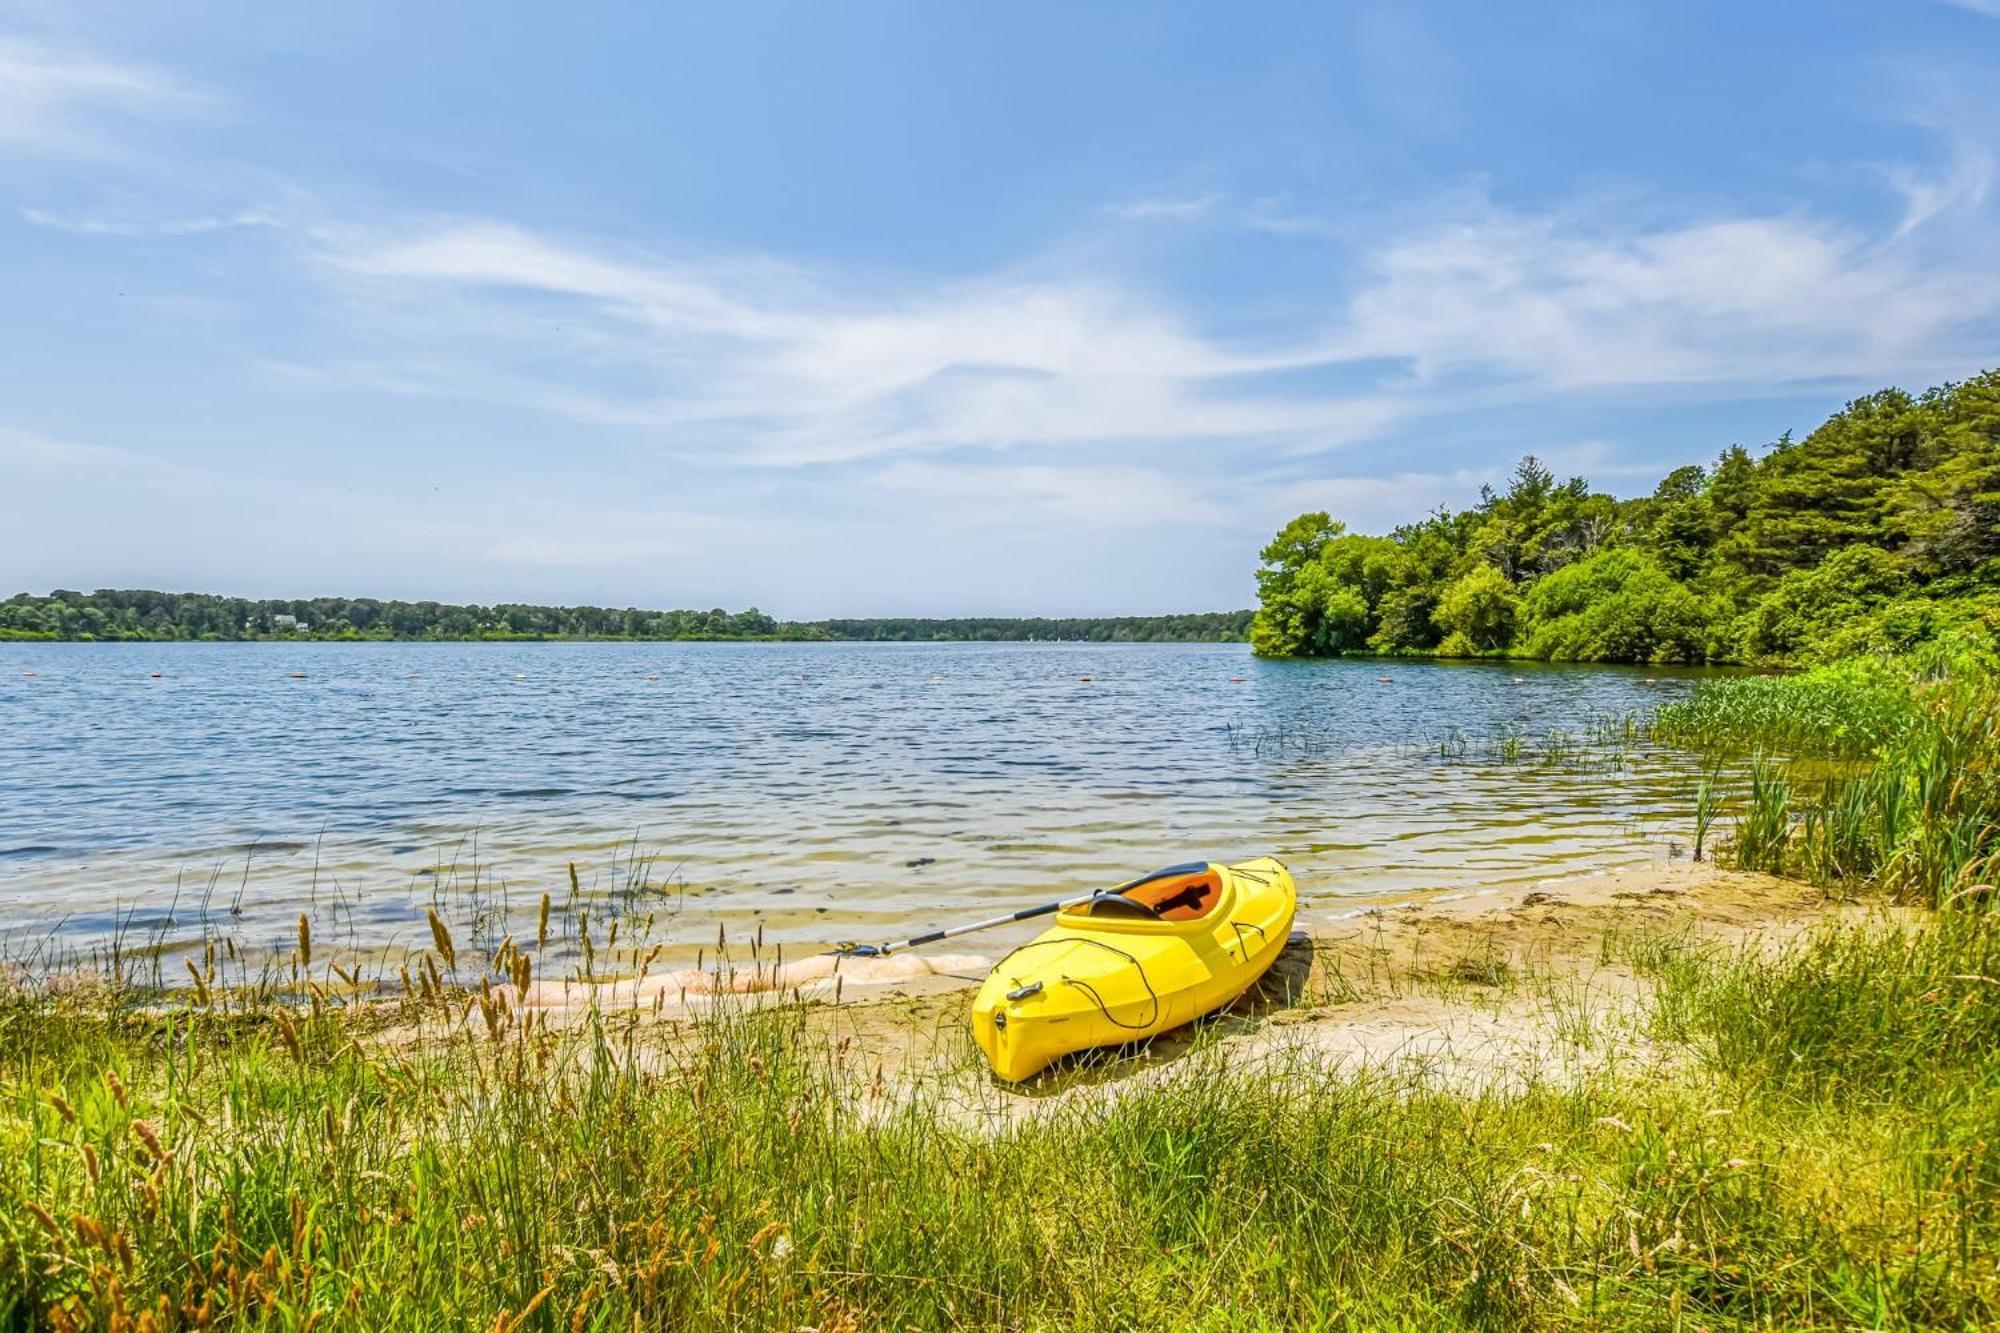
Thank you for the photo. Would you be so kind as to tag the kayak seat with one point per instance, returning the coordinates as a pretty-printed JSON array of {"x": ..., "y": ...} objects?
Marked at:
[
  {"x": 1183, "y": 898},
  {"x": 1118, "y": 905}
]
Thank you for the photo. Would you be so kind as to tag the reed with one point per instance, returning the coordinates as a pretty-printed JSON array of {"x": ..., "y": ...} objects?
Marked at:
[
  {"x": 1840, "y": 711},
  {"x": 1705, "y": 805},
  {"x": 1763, "y": 830},
  {"x": 1916, "y": 814}
]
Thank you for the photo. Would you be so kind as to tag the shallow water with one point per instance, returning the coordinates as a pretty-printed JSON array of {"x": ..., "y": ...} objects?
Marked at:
[{"x": 820, "y": 791}]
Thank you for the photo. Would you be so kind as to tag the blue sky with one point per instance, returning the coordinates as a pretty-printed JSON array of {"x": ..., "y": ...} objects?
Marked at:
[{"x": 940, "y": 308}]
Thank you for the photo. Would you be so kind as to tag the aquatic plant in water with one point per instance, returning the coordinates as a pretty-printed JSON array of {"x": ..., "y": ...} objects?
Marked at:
[{"x": 1917, "y": 816}]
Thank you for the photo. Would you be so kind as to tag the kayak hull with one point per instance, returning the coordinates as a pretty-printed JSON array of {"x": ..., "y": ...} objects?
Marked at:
[{"x": 1093, "y": 980}]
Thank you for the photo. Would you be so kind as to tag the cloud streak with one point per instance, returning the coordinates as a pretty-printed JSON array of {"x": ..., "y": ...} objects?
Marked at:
[
  {"x": 785, "y": 367},
  {"x": 776, "y": 365},
  {"x": 196, "y": 226},
  {"x": 1752, "y": 301},
  {"x": 59, "y": 101},
  {"x": 1052, "y": 393}
]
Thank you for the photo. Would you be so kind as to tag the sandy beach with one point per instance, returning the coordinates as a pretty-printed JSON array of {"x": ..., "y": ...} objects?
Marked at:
[{"x": 1473, "y": 989}]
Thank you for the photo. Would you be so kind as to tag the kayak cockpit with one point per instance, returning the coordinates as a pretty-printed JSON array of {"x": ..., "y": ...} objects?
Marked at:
[{"x": 1178, "y": 893}]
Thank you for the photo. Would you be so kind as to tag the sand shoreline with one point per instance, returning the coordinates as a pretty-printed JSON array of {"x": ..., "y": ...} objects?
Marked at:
[{"x": 1478, "y": 988}]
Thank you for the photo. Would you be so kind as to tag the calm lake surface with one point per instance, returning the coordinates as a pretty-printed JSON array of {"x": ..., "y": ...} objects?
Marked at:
[{"x": 820, "y": 791}]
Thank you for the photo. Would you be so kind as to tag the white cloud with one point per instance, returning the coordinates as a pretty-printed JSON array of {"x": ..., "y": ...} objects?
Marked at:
[
  {"x": 783, "y": 367},
  {"x": 195, "y": 226},
  {"x": 1962, "y": 187},
  {"x": 1990, "y": 8},
  {"x": 1744, "y": 301},
  {"x": 28, "y": 450},
  {"x": 777, "y": 365},
  {"x": 496, "y": 257},
  {"x": 58, "y": 101},
  {"x": 1601, "y": 461},
  {"x": 1187, "y": 209},
  {"x": 1028, "y": 494},
  {"x": 1372, "y": 503}
]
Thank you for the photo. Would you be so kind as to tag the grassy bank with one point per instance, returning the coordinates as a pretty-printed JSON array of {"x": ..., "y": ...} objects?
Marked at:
[
  {"x": 1880, "y": 773},
  {"x": 1820, "y": 1151}
]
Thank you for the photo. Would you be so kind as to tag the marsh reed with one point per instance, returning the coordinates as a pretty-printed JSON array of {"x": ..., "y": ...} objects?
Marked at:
[{"x": 1881, "y": 774}]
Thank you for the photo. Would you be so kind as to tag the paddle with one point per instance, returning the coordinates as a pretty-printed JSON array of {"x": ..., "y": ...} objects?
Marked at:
[{"x": 1025, "y": 914}]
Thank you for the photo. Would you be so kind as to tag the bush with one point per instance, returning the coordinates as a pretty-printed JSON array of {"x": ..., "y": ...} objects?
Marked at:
[
  {"x": 1477, "y": 613},
  {"x": 1809, "y": 607},
  {"x": 1615, "y": 606}
]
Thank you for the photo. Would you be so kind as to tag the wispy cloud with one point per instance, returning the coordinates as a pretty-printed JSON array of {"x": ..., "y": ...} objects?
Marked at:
[
  {"x": 1740, "y": 301},
  {"x": 1990, "y": 8},
  {"x": 194, "y": 226},
  {"x": 779, "y": 365},
  {"x": 1184, "y": 209},
  {"x": 1373, "y": 503},
  {"x": 787, "y": 367},
  {"x": 786, "y": 364},
  {"x": 1101, "y": 496},
  {"x": 57, "y": 100},
  {"x": 28, "y": 450},
  {"x": 1963, "y": 186}
]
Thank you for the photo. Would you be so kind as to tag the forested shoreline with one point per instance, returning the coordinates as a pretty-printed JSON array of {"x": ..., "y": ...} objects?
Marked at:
[
  {"x": 1880, "y": 530},
  {"x": 148, "y": 616}
]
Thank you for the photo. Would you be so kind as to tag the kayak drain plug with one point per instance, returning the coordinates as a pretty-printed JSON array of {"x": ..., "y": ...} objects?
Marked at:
[{"x": 1023, "y": 992}]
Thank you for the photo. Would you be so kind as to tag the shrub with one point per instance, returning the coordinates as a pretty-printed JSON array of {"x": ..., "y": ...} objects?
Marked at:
[{"x": 1615, "y": 606}]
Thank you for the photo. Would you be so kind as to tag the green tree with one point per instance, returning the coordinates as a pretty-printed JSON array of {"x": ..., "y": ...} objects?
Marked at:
[
  {"x": 1615, "y": 606},
  {"x": 1477, "y": 612},
  {"x": 1809, "y": 606}
]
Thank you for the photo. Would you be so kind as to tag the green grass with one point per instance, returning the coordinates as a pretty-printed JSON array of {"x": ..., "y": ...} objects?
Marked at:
[
  {"x": 1868, "y": 1014},
  {"x": 1845, "y": 711},
  {"x": 1822, "y": 1154},
  {"x": 1891, "y": 779}
]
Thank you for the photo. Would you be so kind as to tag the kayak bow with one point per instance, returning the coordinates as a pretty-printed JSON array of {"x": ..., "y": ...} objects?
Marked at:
[{"x": 1127, "y": 965}]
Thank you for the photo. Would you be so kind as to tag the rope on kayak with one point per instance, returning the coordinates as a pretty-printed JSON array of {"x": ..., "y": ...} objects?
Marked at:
[
  {"x": 1105, "y": 1009},
  {"x": 1091, "y": 990},
  {"x": 1238, "y": 927}
]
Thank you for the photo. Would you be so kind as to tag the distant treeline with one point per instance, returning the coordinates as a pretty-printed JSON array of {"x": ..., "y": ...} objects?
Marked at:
[
  {"x": 138, "y": 614},
  {"x": 1878, "y": 531},
  {"x": 1202, "y": 627}
]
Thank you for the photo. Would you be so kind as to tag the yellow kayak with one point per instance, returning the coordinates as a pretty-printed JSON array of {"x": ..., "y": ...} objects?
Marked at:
[{"x": 1134, "y": 962}]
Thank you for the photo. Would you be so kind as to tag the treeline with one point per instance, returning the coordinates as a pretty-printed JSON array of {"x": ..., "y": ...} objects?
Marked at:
[
  {"x": 137, "y": 614},
  {"x": 115, "y": 613},
  {"x": 1879, "y": 530},
  {"x": 1202, "y": 627}
]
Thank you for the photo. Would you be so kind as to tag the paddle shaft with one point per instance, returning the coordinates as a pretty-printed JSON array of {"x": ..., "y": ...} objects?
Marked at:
[{"x": 953, "y": 932}]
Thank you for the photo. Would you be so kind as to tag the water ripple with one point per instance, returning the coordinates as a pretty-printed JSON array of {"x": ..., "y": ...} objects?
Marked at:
[{"x": 748, "y": 771}]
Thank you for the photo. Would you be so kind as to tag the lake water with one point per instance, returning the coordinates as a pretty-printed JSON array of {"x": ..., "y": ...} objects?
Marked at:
[{"x": 820, "y": 791}]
